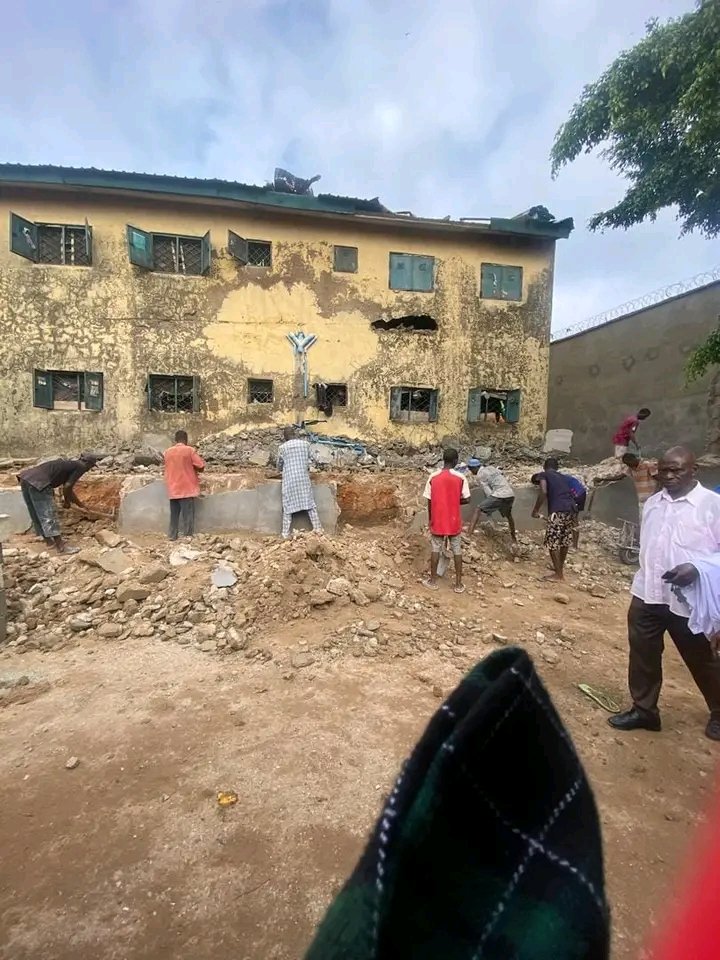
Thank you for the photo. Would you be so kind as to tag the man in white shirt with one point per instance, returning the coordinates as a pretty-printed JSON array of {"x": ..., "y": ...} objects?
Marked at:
[
  {"x": 499, "y": 495},
  {"x": 681, "y": 523}
]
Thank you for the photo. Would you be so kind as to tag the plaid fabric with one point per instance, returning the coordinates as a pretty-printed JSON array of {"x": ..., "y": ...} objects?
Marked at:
[
  {"x": 294, "y": 461},
  {"x": 489, "y": 845}
]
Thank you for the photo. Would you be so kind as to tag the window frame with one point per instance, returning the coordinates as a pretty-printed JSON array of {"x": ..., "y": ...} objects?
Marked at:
[
  {"x": 337, "y": 262},
  {"x": 174, "y": 376},
  {"x": 259, "y": 266},
  {"x": 337, "y": 403},
  {"x": 396, "y": 411},
  {"x": 25, "y": 240},
  {"x": 144, "y": 256},
  {"x": 475, "y": 412},
  {"x": 501, "y": 267},
  {"x": 256, "y": 381},
  {"x": 415, "y": 261},
  {"x": 91, "y": 390}
]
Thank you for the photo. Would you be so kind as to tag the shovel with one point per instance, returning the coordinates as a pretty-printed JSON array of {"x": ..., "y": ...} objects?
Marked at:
[{"x": 444, "y": 561}]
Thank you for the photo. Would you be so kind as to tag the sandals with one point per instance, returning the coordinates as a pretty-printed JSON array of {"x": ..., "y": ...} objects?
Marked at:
[{"x": 602, "y": 699}]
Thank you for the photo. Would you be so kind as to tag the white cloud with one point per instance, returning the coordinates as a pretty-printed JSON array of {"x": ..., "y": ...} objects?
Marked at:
[{"x": 438, "y": 108}]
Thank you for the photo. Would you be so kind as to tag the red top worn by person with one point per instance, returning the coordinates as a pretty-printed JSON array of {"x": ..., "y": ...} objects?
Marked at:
[
  {"x": 625, "y": 433},
  {"x": 181, "y": 466},
  {"x": 446, "y": 489}
]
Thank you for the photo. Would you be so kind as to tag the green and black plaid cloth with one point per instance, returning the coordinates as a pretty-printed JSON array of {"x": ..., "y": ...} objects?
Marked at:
[{"x": 488, "y": 847}]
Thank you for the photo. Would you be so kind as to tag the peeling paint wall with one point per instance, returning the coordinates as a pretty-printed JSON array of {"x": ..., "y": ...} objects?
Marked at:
[{"x": 232, "y": 324}]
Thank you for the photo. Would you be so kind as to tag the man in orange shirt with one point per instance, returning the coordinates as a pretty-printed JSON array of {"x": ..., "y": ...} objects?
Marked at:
[{"x": 182, "y": 465}]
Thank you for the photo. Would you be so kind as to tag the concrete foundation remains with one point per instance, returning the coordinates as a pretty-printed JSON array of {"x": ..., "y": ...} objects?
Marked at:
[
  {"x": 558, "y": 441},
  {"x": 17, "y": 518},
  {"x": 258, "y": 509}
]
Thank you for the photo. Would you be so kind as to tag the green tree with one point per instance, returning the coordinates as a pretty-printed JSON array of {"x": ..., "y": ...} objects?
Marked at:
[
  {"x": 706, "y": 357},
  {"x": 656, "y": 110}
]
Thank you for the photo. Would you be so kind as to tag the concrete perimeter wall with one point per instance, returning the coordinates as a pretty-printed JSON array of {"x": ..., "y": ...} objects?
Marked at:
[{"x": 602, "y": 375}]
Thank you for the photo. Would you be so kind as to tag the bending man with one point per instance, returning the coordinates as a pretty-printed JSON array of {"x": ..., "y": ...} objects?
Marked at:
[
  {"x": 297, "y": 495},
  {"x": 37, "y": 485}
]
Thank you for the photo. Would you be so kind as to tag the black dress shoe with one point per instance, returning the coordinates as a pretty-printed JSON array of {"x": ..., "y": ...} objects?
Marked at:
[
  {"x": 712, "y": 729},
  {"x": 638, "y": 720}
]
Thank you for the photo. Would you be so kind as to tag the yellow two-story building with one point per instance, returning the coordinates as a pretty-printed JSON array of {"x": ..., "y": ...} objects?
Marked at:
[{"x": 134, "y": 304}]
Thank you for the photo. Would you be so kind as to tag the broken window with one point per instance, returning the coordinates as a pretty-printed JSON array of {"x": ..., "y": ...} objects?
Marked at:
[
  {"x": 493, "y": 406},
  {"x": 173, "y": 394},
  {"x": 345, "y": 259},
  {"x": 259, "y": 253},
  {"x": 499, "y": 282},
  {"x": 414, "y": 404},
  {"x": 260, "y": 391},
  {"x": 251, "y": 253},
  {"x": 51, "y": 243},
  {"x": 169, "y": 253},
  {"x": 67, "y": 390},
  {"x": 408, "y": 271},
  {"x": 337, "y": 394},
  {"x": 421, "y": 323}
]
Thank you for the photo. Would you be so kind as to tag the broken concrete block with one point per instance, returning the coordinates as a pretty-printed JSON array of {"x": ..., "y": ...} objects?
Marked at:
[
  {"x": 132, "y": 591},
  {"x": 319, "y": 598},
  {"x": 182, "y": 555},
  {"x": 223, "y": 576},
  {"x": 108, "y": 538},
  {"x": 113, "y": 561},
  {"x": 154, "y": 574},
  {"x": 259, "y": 457},
  {"x": 339, "y": 586}
]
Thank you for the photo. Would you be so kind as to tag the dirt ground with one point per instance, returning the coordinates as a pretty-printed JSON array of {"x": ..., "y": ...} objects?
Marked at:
[{"x": 129, "y": 857}]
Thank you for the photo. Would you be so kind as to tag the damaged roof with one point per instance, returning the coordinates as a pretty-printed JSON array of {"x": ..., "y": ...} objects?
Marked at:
[{"x": 91, "y": 178}]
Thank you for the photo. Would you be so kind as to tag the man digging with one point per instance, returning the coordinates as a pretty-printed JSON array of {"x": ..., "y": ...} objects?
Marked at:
[
  {"x": 37, "y": 485},
  {"x": 297, "y": 493}
]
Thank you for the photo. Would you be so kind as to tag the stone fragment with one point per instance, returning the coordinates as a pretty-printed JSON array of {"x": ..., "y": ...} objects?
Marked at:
[
  {"x": 561, "y": 598},
  {"x": 599, "y": 592},
  {"x": 71, "y": 763},
  {"x": 155, "y": 574},
  {"x": 108, "y": 538},
  {"x": 223, "y": 576},
  {"x": 302, "y": 659},
  {"x": 78, "y": 624},
  {"x": 205, "y": 631},
  {"x": 371, "y": 589},
  {"x": 259, "y": 457},
  {"x": 144, "y": 629},
  {"x": 109, "y": 630},
  {"x": 319, "y": 598},
  {"x": 339, "y": 586},
  {"x": 208, "y": 646},
  {"x": 549, "y": 655},
  {"x": 182, "y": 555},
  {"x": 132, "y": 591}
]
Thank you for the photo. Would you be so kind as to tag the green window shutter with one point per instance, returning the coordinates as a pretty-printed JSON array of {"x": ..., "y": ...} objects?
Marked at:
[
  {"x": 345, "y": 259},
  {"x": 511, "y": 288},
  {"x": 474, "y": 405},
  {"x": 489, "y": 281},
  {"x": 88, "y": 242},
  {"x": 396, "y": 403},
  {"x": 433, "y": 408},
  {"x": 512, "y": 406},
  {"x": 42, "y": 389},
  {"x": 140, "y": 248},
  {"x": 400, "y": 271},
  {"x": 237, "y": 247},
  {"x": 93, "y": 391},
  {"x": 23, "y": 237},
  {"x": 423, "y": 270},
  {"x": 499, "y": 282},
  {"x": 196, "y": 394},
  {"x": 205, "y": 253}
]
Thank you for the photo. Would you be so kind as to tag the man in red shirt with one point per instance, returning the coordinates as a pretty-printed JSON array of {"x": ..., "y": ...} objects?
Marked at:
[
  {"x": 182, "y": 465},
  {"x": 624, "y": 436},
  {"x": 445, "y": 491}
]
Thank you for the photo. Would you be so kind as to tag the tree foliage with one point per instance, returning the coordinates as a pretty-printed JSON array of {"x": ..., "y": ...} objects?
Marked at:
[
  {"x": 704, "y": 356},
  {"x": 657, "y": 109}
]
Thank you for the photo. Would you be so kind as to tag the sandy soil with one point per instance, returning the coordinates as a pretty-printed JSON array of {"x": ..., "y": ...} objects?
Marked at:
[{"x": 128, "y": 855}]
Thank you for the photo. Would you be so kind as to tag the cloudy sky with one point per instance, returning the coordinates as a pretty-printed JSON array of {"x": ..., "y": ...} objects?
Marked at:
[{"x": 437, "y": 107}]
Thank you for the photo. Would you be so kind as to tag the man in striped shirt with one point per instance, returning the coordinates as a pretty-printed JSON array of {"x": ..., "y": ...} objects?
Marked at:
[{"x": 644, "y": 476}]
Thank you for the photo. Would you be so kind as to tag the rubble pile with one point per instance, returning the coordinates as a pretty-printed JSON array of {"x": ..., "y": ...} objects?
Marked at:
[{"x": 233, "y": 596}]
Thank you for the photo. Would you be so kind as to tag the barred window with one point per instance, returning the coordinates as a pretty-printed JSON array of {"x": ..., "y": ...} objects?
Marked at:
[
  {"x": 67, "y": 390},
  {"x": 173, "y": 394},
  {"x": 260, "y": 391},
  {"x": 178, "y": 254},
  {"x": 51, "y": 243},
  {"x": 259, "y": 253},
  {"x": 414, "y": 404},
  {"x": 336, "y": 394}
]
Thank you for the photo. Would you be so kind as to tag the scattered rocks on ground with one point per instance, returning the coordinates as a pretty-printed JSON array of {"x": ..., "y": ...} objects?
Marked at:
[
  {"x": 561, "y": 598},
  {"x": 223, "y": 576},
  {"x": 339, "y": 586},
  {"x": 71, "y": 763},
  {"x": 109, "y": 630},
  {"x": 302, "y": 659},
  {"x": 108, "y": 538}
]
